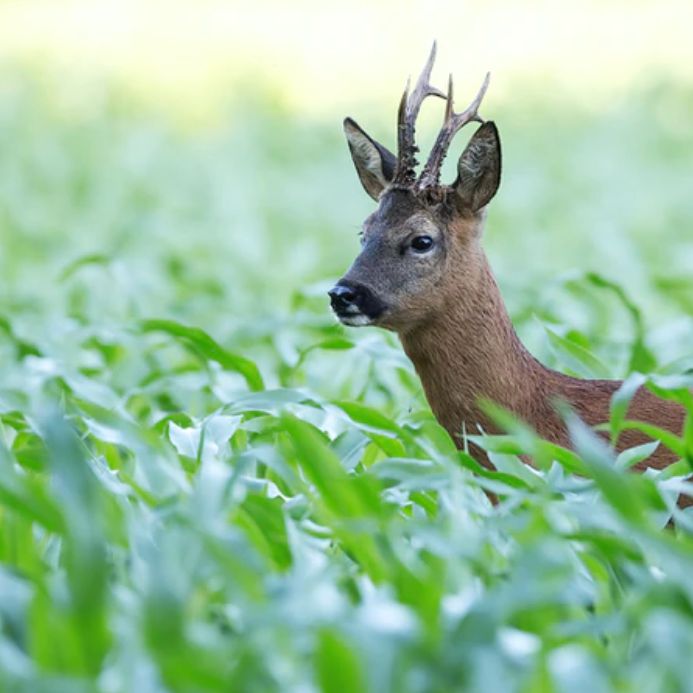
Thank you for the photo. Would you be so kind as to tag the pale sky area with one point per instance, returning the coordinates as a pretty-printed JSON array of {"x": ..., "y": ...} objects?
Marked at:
[{"x": 323, "y": 55}]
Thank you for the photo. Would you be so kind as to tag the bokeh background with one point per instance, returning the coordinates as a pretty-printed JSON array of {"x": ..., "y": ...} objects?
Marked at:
[
  {"x": 192, "y": 151},
  {"x": 206, "y": 483}
]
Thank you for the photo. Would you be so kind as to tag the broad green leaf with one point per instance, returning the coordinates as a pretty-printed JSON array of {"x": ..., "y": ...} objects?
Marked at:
[
  {"x": 338, "y": 667},
  {"x": 576, "y": 357},
  {"x": 203, "y": 344}
]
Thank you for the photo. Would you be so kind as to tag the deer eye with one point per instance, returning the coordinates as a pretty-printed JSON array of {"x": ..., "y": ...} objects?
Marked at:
[{"x": 422, "y": 244}]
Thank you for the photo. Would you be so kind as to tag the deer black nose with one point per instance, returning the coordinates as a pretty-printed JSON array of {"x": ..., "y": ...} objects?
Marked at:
[
  {"x": 342, "y": 297},
  {"x": 353, "y": 301}
]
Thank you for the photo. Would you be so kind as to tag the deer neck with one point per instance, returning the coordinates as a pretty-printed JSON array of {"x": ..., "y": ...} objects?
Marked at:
[{"x": 469, "y": 351}]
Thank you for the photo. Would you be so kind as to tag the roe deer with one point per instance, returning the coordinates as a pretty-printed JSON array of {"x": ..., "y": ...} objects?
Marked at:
[{"x": 422, "y": 273}]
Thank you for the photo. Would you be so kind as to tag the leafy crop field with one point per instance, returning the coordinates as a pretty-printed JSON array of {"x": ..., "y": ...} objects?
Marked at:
[{"x": 206, "y": 484}]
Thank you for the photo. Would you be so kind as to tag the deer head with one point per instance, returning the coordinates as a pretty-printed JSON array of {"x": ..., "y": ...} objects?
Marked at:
[{"x": 423, "y": 239}]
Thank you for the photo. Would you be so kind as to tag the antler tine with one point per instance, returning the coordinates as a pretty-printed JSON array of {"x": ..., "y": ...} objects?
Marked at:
[
  {"x": 409, "y": 108},
  {"x": 452, "y": 124}
]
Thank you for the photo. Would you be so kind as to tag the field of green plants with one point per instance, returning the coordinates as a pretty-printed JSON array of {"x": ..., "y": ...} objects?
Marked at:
[{"x": 207, "y": 484}]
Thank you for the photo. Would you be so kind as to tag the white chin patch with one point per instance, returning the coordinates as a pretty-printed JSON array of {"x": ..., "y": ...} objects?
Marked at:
[{"x": 358, "y": 320}]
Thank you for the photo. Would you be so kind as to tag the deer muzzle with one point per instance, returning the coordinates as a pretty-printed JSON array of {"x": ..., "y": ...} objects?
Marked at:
[{"x": 355, "y": 304}]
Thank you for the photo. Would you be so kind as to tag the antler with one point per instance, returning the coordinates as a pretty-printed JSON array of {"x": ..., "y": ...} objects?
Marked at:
[
  {"x": 451, "y": 125},
  {"x": 408, "y": 111}
]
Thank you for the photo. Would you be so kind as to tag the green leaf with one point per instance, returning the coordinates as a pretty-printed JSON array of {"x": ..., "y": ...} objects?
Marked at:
[
  {"x": 338, "y": 667},
  {"x": 619, "y": 489},
  {"x": 263, "y": 520},
  {"x": 84, "y": 261},
  {"x": 381, "y": 430},
  {"x": 634, "y": 456},
  {"x": 507, "y": 479},
  {"x": 200, "y": 342},
  {"x": 576, "y": 357},
  {"x": 620, "y": 401},
  {"x": 641, "y": 358},
  {"x": 325, "y": 471}
]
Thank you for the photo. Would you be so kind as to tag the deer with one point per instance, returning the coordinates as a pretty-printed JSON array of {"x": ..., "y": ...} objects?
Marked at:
[{"x": 422, "y": 273}]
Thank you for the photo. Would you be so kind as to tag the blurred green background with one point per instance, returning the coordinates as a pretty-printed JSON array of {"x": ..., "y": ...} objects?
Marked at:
[
  {"x": 196, "y": 149},
  {"x": 256, "y": 498}
]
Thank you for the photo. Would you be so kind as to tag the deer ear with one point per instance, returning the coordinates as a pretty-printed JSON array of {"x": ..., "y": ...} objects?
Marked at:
[
  {"x": 374, "y": 163},
  {"x": 479, "y": 169}
]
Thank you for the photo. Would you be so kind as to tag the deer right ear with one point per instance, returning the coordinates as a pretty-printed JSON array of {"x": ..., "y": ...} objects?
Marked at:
[
  {"x": 479, "y": 169},
  {"x": 374, "y": 163}
]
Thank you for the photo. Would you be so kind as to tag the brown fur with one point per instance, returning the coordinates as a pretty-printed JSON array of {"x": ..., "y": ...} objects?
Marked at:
[
  {"x": 442, "y": 298},
  {"x": 470, "y": 351}
]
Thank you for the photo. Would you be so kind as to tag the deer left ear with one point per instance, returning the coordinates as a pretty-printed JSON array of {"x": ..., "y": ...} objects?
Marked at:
[
  {"x": 479, "y": 169},
  {"x": 374, "y": 163}
]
